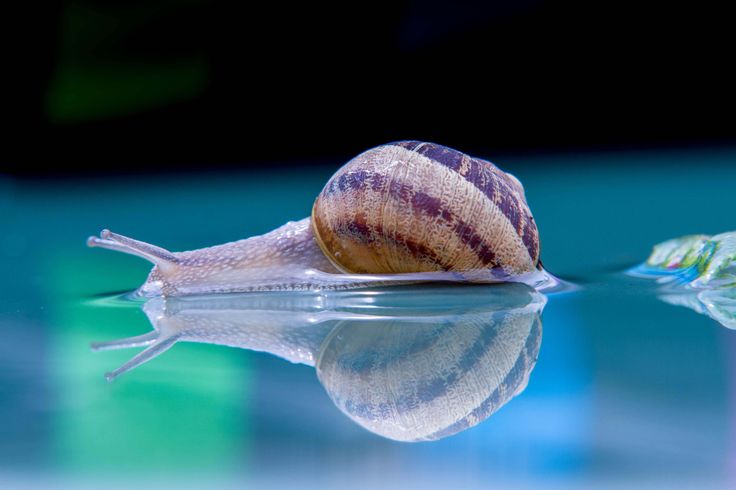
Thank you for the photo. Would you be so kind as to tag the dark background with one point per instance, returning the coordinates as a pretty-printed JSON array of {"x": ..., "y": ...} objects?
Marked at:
[{"x": 145, "y": 86}]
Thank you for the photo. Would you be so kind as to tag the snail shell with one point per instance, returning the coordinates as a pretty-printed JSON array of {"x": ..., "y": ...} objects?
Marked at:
[
  {"x": 410, "y": 364},
  {"x": 406, "y": 211},
  {"x": 413, "y": 206}
]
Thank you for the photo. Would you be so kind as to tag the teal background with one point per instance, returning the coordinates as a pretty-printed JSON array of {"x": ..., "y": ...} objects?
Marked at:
[{"x": 628, "y": 391}]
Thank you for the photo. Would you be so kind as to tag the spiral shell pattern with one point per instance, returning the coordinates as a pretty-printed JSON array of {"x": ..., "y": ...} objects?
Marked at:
[
  {"x": 426, "y": 381},
  {"x": 411, "y": 206}
]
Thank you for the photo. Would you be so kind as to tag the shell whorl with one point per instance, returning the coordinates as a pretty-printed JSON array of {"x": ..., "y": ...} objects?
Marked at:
[
  {"x": 426, "y": 381},
  {"x": 414, "y": 207}
]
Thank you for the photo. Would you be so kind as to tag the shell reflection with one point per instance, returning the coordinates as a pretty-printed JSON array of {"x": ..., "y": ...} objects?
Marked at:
[
  {"x": 409, "y": 364},
  {"x": 414, "y": 382}
]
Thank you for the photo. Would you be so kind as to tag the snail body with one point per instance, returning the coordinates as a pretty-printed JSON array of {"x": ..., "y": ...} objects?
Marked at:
[{"x": 403, "y": 208}]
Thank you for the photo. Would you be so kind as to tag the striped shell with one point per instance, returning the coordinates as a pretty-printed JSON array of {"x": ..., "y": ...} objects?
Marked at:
[{"x": 414, "y": 207}]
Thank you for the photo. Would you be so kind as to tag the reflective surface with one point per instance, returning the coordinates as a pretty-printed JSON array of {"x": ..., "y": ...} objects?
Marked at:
[
  {"x": 412, "y": 364},
  {"x": 627, "y": 391}
]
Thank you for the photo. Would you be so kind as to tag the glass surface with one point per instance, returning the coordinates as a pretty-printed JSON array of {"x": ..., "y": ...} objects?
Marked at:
[{"x": 629, "y": 390}]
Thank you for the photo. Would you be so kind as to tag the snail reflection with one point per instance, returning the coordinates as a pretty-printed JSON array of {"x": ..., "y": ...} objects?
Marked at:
[
  {"x": 698, "y": 272},
  {"x": 409, "y": 364}
]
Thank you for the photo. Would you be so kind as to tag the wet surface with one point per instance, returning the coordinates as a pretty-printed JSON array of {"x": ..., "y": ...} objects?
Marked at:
[
  {"x": 412, "y": 363},
  {"x": 626, "y": 391}
]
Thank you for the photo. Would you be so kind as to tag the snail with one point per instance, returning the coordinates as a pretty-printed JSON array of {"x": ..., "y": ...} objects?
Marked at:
[
  {"x": 406, "y": 364},
  {"x": 405, "y": 211}
]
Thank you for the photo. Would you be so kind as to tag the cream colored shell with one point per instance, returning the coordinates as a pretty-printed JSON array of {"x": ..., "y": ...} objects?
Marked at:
[{"x": 416, "y": 207}]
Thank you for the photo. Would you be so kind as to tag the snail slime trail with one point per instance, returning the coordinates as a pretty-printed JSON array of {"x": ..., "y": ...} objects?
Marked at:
[{"x": 399, "y": 213}]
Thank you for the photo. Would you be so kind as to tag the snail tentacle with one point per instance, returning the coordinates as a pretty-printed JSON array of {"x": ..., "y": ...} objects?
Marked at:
[
  {"x": 138, "y": 341},
  {"x": 159, "y": 346},
  {"x": 112, "y": 241}
]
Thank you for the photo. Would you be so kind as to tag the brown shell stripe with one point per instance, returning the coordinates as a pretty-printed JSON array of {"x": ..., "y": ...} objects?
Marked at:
[
  {"x": 491, "y": 181},
  {"x": 421, "y": 203},
  {"x": 363, "y": 233}
]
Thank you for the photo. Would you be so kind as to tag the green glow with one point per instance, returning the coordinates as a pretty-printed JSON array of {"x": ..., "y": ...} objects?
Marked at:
[
  {"x": 84, "y": 93},
  {"x": 94, "y": 79},
  {"x": 187, "y": 407}
]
